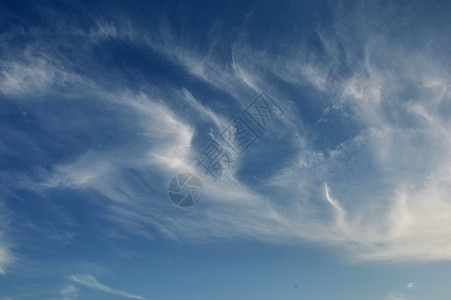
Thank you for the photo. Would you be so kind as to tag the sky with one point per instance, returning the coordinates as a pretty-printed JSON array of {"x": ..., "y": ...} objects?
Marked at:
[{"x": 331, "y": 125}]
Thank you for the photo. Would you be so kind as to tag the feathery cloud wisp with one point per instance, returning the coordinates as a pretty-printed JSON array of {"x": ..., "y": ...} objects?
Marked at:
[{"x": 91, "y": 282}]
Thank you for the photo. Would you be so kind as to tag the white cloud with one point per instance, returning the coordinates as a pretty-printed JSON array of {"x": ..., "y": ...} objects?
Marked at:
[
  {"x": 408, "y": 220},
  {"x": 91, "y": 282},
  {"x": 401, "y": 211},
  {"x": 103, "y": 30},
  {"x": 410, "y": 285},
  {"x": 33, "y": 75},
  {"x": 218, "y": 120},
  {"x": 69, "y": 292},
  {"x": 396, "y": 296},
  {"x": 7, "y": 258}
]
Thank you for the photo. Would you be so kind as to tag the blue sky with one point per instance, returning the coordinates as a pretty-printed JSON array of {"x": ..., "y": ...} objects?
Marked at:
[{"x": 346, "y": 195}]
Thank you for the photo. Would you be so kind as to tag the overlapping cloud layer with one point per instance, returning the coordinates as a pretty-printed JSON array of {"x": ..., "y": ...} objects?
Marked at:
[{"x": 367, "y": 155}]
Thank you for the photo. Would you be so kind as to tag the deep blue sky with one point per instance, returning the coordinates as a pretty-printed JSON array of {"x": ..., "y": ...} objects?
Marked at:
[{"x": 346, "y": 195}]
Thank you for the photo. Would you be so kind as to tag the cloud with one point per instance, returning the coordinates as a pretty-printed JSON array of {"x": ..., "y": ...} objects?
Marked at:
[
  {"x": 103, "y": 30},
  {"x": 399, "y": 217},
  {"x": 31, "y": 74},
  {"x": 374, "y": 183},
  {"x": 91, "y": 282},
  {"x": 69, "y": 292},
  {"x": 218, "y": 120},
  {"x": 7, "y": 257},
  {"x": 396, "y": 296},
  {"x": 408, "y": 149},
  {"x": 410, "y": 285}
]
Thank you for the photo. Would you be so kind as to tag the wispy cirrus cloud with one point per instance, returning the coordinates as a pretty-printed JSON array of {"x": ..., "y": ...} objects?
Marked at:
[
  {"x": 91, "y": 282},
  {"x": 7, "y": 256},
  {"x": 378, "y": 191}
]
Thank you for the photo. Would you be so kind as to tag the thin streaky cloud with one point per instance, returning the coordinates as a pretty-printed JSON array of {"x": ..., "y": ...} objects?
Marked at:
[
  {"x": 410, "y": 160},
  {"x": 91, "y": 282}
]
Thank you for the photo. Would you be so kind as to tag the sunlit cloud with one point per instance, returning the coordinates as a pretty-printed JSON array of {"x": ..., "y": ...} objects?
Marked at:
[{"x": 380, "y": 193}]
